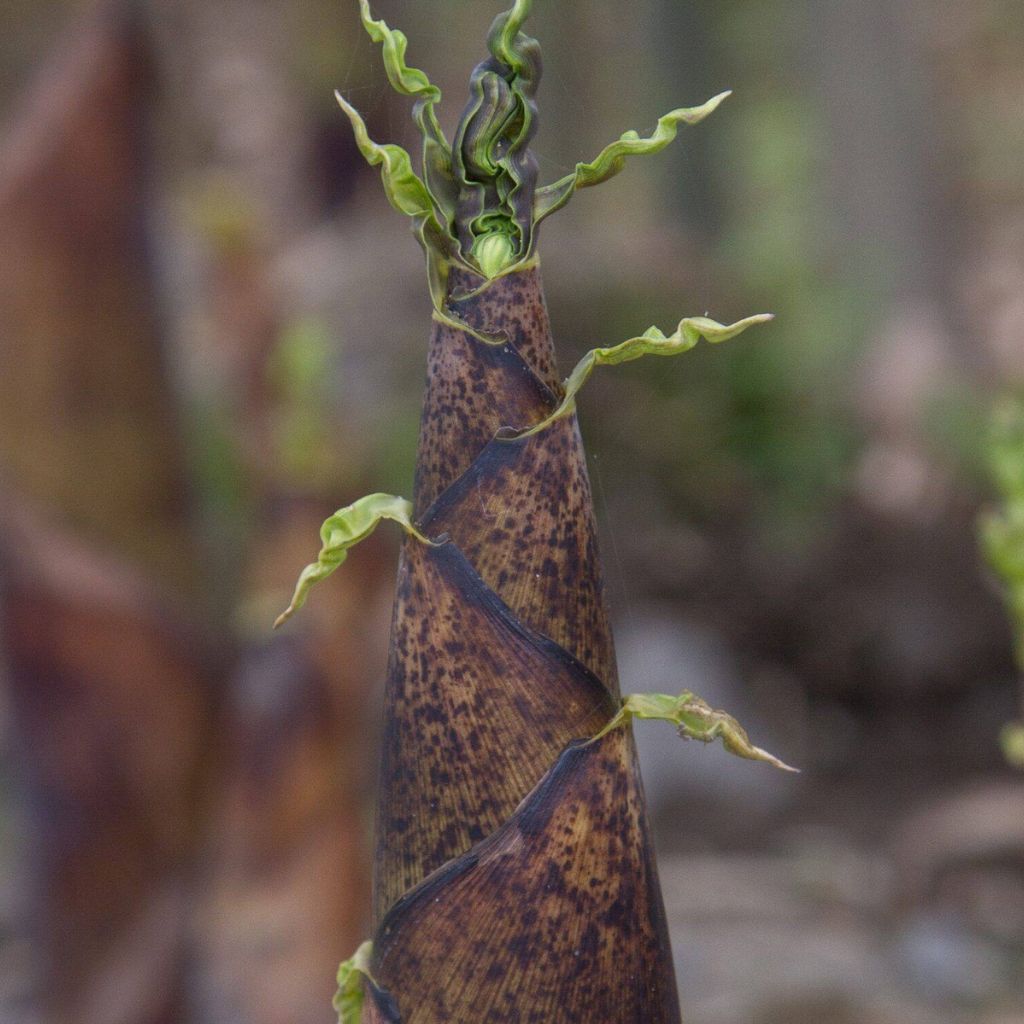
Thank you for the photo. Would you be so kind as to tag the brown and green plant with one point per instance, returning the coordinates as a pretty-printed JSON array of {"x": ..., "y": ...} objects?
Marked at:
[{"x": 514, "y": 872}]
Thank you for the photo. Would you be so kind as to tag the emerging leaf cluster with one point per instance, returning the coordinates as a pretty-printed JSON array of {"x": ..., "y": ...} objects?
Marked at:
[
  {"x": 475, "y": 202},
  {"x": 476, "y": 205}
]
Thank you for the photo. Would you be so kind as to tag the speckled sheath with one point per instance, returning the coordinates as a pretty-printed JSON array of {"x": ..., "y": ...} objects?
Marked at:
[
  {"x": 514, "y": 874},
  {"x": 556, "y": 917}
]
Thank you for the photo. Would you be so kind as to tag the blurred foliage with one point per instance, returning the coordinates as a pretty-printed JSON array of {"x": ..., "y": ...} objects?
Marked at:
[
  {"x": 957, "y": 424},
  {"x": 791, "y": 426},
  {"x": 305, "y": 449},
  {"x": 1002, "y": 535},
  {"x": 762, "y": 433},
  {"x": 1002, "y": 529}
]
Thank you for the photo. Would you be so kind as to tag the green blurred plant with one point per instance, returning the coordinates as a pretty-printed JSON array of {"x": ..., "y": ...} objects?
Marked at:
[
  {"x": 1002, "y": 536},
  {"x": 302, "y": 434}
]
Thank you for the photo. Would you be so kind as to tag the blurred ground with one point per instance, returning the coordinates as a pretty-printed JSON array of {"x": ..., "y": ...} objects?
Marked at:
[{"x": 212, "y": 330}]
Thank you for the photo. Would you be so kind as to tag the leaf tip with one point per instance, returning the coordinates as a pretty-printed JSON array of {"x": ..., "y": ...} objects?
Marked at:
[
  {"x": 694, "y": 115},
  {"x": 775, "y": 762}
]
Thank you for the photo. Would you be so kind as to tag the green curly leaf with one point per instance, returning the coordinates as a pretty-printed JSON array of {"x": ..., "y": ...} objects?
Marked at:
[
  {"x": 402, "y": 185},
  {"x": 348, "y": 1001},
  {"x": 492, "y": 160},
  {"x": 502, "y": 39},
  {"x": 407, "y": 194},
  {"x": 652, "y": 342},
  {"x": 696, "y": 720},
  {"x": 343, "y": 530},
  {"x": 437, "y": 154},
  {"x": 612, "y": 158},
  {"x": 404, "y": 79}
]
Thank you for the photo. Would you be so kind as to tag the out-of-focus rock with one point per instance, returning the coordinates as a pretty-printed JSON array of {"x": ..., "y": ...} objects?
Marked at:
[{"x": 948, "y": 963}]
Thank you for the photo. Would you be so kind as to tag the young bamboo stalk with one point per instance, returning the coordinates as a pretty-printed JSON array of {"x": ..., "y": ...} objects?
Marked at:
[{"x": 514, "y": 872}]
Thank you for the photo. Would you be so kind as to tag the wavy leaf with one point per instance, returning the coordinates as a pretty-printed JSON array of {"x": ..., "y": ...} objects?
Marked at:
[
  {"x": 496, "y": 169},
  {"x": 343, "y": 530},
  {"x": 404, "y": 79},
  {"x": 696, "y": 720},
  {"x": 612, "y": 158},
  {"x": 502, "y": 40},
  {"x": 402, "y": 185},
  {"x": 409, "y": 195},
  {"x": 652, "y": 342},
  {"x": 437, "y": 154}
]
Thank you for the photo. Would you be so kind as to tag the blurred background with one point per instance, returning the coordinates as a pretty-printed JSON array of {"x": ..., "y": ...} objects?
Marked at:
[{"x": 213, "y": 333}]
